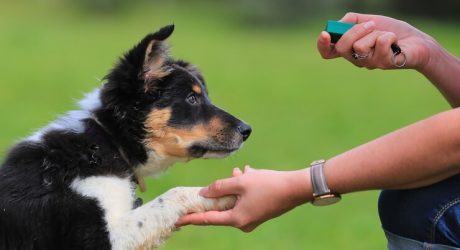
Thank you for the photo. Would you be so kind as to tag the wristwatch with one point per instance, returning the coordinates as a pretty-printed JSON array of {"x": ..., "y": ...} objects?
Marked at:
[{"x": 322, "y": 195}]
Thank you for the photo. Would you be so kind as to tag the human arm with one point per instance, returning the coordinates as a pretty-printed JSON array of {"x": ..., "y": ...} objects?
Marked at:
[
  {"x": 373, "y": 36},
  {"x": 415, "y": 156}
]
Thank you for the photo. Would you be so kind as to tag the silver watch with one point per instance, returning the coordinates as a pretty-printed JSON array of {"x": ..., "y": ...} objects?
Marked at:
[{"x": 322, "y": 195}]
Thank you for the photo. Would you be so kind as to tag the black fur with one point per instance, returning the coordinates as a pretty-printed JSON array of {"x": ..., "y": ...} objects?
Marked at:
[{"x": 38, "y": 209}]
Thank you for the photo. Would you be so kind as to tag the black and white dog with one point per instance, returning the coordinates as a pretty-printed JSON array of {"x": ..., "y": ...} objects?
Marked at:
[{"x": 71, "y": 185}]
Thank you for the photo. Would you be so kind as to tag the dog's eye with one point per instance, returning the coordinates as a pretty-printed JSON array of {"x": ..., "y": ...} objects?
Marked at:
[{"x": 192, "y": 99}]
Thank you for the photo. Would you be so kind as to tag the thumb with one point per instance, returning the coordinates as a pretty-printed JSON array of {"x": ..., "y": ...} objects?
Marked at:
[
  {"x": 222, "y": 187},
  {"x": 207, "y": 218},
  {"x": 324, "y": 46}
]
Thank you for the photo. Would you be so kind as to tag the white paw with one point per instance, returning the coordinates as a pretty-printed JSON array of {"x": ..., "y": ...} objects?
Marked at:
[
  {"x": 189, "y": 199},
  {"x": 219, "y": 204}
]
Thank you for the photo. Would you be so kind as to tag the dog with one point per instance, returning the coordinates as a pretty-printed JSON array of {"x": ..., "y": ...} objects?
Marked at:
[{"x": 71, "y": 185}]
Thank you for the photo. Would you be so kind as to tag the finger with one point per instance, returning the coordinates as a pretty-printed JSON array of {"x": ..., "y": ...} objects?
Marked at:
[
  {"x": 236, "y": 172},
  {"x": 367, "y": 43},
  {"x": 248, "y": 169},
  {"x": 324, "y": 46},
  {"x": 207, "y": 218},
  {"x": 383, "y": 52},
  {"x": 221, "y": 188},
  {"x": 352, "y": 17},
  {"x": 345, "y": 44}
]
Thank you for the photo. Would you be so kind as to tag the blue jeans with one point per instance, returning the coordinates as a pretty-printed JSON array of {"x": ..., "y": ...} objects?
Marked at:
[
  {"x": 429, "y": 216},
  {"x": 396, "y": 242}
]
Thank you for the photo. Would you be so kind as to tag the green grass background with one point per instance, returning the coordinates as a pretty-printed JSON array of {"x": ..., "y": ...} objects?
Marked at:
[{"x": 300, "y": 106}]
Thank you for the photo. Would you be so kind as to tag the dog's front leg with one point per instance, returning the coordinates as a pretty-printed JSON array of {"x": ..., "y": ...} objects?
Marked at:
[{"x": 147, "y": 226}]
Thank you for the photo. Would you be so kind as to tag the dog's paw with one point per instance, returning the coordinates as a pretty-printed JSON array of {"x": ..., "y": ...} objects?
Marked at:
[
  {"x": 189, "y": 199},
  {"x": 218, "y": 204}
]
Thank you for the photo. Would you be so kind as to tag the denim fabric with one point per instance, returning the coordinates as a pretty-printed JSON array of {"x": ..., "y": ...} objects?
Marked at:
[
  {"x": 396, "y": 242},
  {"x": 430, "y": 214}
]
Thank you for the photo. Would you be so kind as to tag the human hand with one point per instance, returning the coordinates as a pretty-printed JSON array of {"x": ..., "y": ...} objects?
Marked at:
[
  {"x": 262, "y": 195},
  {"x": 372, "y": 36}
]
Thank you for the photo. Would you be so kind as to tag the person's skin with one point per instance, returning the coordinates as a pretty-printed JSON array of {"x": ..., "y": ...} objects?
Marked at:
[
  {"x": 374, "y": 35},
  {"x": 418, "y": 155}
]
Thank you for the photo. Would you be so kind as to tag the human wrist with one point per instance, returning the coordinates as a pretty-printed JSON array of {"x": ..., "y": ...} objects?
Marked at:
[
  {"x": 435, "y": 56},
  {"x": 299, "y": 184}
]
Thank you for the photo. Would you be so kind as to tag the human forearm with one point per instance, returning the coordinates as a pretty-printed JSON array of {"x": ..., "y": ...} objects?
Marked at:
[
  {"x": 418, "y": 155},
  {"x": 443, "y": 70},
  {"x": 415, "y": 156}
]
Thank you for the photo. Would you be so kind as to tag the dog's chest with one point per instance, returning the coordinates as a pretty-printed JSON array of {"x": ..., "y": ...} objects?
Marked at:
[{"x": 114, "y": 195}]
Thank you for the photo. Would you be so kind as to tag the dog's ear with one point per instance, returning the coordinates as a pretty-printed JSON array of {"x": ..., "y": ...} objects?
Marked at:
[
  {"x": 136, "y": 68},
  {"x": 144, "y": 61},
  {"x": 156, "y": 54}
]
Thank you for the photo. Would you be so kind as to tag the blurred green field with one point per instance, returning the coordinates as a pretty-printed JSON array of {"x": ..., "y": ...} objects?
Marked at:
[{"x": 301, "y": 107}]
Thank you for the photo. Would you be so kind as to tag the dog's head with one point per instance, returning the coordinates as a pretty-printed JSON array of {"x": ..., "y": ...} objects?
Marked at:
[{"x": 163, "y": 105}]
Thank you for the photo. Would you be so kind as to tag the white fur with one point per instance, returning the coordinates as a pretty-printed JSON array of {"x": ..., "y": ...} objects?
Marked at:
[
  {"x": 72, "y": 121},
  {"x": 115, "y": 195},
  {"x": 149, "y": 225},
  {"x": 214, "y": 155},
  {"x": 156, "y": 164},
  {"x": 91, "y": 101}
]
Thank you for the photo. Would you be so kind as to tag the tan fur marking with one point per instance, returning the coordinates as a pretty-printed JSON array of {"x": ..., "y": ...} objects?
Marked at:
[
  {"x": 197, "y": 89},
  {"x": 169, "y": 141},
  {"x": 141, "y": 183}
]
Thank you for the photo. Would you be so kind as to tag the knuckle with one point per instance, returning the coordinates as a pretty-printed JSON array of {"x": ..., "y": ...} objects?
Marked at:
[
  {"x": 380, "y": 42},
  {"x": 349, "y": 14},
  {"x": 383, "y": 39},
  {"x": 359, "y": 47},
  {"x": 205, "y": 220}
]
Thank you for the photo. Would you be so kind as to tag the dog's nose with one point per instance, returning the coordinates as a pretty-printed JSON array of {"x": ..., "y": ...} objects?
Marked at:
[{"x": 245, "y": 130}]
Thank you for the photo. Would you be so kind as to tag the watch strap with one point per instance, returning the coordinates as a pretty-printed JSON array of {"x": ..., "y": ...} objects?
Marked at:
[{"x": 318, "y": 179}]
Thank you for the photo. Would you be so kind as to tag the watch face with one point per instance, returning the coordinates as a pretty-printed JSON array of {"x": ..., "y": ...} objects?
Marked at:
[{"x": 325, "y": 200}]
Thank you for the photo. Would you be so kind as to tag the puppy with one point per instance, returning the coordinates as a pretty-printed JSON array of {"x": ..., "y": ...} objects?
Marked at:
[{"x": 71, "y": 185}]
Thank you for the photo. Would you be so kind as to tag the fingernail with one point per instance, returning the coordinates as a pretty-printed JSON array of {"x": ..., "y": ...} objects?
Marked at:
[
  {"x": 203, "y": 191},
  {"x": 369, "y": 25},
  {"x": 247, "y": 168}
]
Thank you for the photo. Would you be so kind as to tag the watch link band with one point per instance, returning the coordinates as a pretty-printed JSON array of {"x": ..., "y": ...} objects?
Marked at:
[{"x": 322, "y": 195}]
